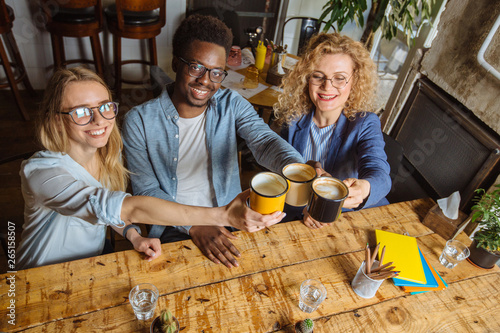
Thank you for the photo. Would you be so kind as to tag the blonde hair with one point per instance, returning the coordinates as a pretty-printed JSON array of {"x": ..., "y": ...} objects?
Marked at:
[
  {"x": 295, "y": 102},
  {"x": 53, "y": 130}
]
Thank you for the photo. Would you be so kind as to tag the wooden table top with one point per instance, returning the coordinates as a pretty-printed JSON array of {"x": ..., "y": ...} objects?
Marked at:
[{"x": 261, "y": 295}]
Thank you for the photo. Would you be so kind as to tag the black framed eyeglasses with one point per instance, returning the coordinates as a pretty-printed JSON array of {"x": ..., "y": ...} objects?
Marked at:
[
  {"x": 338, "y": 80},
  {"x": 196, "y": 70},
  {"x": 84, "y": 115}
]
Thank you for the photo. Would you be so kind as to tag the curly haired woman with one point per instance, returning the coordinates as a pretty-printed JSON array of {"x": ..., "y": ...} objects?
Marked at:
[{"x": 325, "y": 114}]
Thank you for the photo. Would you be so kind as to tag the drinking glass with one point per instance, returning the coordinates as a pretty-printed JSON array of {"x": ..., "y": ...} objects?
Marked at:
[
  {"x": 312, "y": 293},
  {"x": 143, "y": 299},
  {"x": 453, "y": 253},
  {"x": 251, "y": 80}
]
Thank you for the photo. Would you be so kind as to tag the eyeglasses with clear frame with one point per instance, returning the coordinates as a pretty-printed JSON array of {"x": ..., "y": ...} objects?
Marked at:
[
  {"x": 84, "y": 115},
  {"x": 338, "y": 80},
  {"x": 196, "y": 70}
]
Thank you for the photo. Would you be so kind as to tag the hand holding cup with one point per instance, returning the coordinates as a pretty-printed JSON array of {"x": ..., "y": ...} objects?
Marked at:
[{"x": 241, "y": 217}]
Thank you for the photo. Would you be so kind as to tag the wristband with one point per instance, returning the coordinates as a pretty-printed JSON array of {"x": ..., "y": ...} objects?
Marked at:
[{"x": 131, "y": 226}]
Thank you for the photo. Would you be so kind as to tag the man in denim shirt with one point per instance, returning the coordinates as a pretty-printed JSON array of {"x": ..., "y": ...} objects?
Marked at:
[{"x": 182, "y": 145}]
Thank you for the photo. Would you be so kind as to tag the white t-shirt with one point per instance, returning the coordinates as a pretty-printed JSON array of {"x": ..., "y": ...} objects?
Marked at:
[{"x": 193, "y": 177}]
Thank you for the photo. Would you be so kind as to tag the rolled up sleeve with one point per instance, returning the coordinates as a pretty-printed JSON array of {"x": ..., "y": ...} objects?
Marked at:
[{"x": 57, "y": 189}]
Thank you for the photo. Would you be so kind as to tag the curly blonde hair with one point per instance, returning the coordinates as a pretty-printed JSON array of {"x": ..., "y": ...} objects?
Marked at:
[
  {"x": 113, "y": 173},
  {"x": 295, "y": 102}
]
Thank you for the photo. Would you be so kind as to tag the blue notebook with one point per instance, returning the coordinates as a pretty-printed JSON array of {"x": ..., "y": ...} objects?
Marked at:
[
  {"x": 424, "y": 291},
  {"x": 431, "y": 280}
]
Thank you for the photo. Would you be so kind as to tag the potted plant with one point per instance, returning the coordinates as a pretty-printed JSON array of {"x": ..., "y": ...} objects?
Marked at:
[
  {"x": 165, "y": 323},
  {"x": 409, "y": 15},
  {"x": 304, "y": 326},
  {"x": 485, "y": 249}
]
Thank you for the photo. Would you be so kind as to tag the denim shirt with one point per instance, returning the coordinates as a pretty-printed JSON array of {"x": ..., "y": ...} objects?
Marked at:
[
  {"x": 151, "y": 145},
  {"x": 356, "y": 151},
  {"x": 66, "y": 211}
]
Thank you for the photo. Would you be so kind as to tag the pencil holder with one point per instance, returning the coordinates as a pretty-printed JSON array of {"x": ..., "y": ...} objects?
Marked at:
[{"x": 364, "y": 286}]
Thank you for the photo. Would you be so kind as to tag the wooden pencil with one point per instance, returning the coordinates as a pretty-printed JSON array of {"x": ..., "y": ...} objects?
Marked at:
[
  {"x": 381, "y": 260},
  {"x": 384, "y": 276},
  {"x": 382, "y": 267},
  {"x": 390, "y": 276},
  {"x": 367, "y": 260},
  {"x": 374, "y": 255}
]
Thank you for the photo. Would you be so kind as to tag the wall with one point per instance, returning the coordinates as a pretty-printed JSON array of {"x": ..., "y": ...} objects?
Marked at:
[
  {"x": 36, "y": 49},
  {"x": 451, "y": 61}
]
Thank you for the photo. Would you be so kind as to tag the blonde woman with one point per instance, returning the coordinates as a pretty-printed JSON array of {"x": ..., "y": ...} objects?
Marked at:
[
  {"x": 75, "y": 188},
  {"x": 325, "y": 114}
]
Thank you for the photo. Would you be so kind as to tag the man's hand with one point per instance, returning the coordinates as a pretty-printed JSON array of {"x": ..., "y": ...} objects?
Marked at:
[
  {"x": 242, "y": 217},
  {"x": 151, "y": 247},
  {"x": 359, "y": 190},
  {"x": 215, "y": 245},
  {"x": 312, "y": 223}
]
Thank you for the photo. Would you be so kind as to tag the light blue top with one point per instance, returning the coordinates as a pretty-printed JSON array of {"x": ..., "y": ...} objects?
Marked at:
[
  {"x": 356, "y": 151},
  {"x": 319, "y": 142},
  {"x": 66, "y": 211},
  {"x": 151, "y": 141}
]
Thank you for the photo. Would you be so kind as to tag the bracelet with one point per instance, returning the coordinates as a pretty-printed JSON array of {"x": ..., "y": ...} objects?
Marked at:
[{"x": 131, "y": 226}]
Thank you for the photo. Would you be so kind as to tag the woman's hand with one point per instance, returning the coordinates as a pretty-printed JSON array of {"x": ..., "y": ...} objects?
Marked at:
[
  {"x": 359, "y": 190},
  {"x": 151, "y": 247},
  {"x": 320, "y": 172},
  {"x": 240, "y": 216},
  {"x": 312, "y": 223}
]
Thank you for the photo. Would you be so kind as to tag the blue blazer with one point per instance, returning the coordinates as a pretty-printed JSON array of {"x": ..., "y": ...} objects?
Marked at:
[{"x": 357, "y": 151}]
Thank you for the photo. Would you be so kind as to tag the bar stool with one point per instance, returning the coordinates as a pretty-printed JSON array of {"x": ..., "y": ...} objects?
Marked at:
[
  {"x": 6, "y": 23},
  {"x": 134, "y": 19},
  {"x": 74, "y": 18}
]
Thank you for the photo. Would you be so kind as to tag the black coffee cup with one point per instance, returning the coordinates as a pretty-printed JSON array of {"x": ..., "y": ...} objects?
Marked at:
[{"x": 327, "y": 198}]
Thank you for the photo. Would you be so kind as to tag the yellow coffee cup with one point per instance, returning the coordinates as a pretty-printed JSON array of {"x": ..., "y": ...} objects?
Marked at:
[{"x": 267, "y": 192}]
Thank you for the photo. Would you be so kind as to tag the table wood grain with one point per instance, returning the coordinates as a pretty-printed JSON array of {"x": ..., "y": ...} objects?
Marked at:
[{"x": 261, "y": 295}]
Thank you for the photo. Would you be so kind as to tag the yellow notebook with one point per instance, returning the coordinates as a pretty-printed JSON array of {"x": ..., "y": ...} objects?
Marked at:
[{"x": 403, "y": 252}]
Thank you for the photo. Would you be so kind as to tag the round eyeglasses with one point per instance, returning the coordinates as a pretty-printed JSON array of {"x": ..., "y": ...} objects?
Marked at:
[
  {"x": 84, "y": 115},
  {"x": 196, "y": 70},
  {"x": 338, "y": 80}
]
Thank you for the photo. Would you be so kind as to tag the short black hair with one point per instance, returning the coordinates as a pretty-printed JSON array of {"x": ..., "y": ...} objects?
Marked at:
[{"x": 203, "y": 28}]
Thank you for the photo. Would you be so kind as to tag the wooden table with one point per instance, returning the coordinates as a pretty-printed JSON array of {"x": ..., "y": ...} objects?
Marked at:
[{"x": 261, "y": 295}]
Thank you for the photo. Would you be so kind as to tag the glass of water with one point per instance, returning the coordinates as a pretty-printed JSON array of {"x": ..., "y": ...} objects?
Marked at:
[
  {"x": 143, "y": 298},
  {"x": 312, "y": 293},
  {"x": 453, "y": 253}
]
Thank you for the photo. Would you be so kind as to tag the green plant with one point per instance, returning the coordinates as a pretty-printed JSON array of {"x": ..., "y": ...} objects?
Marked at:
[
  {"x": 486, "y": 212},
  {"x": 306, "y": 326},
  {"x": 407, "y": 14},
  {"x": 168, "y": 324}
]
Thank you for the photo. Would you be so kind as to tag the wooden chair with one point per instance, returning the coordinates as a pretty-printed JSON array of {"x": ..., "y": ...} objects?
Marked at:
[
  {"x": 134, "y": 19},
  {"x": 12, "y": 205},
  {"x": 74, "y": 18},
  {"x": 8, "y": 44}
]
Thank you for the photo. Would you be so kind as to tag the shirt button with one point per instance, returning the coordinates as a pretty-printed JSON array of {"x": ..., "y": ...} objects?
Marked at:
[
  {"x": 175, "y": 117},
  {"x": 168, "y": 117},
  {"x": 173, "y": 178},
  {"x": 177, "y": 136},
  {"x": 173, "y": 197},
  {"x": 175, "y": 159}
]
